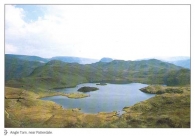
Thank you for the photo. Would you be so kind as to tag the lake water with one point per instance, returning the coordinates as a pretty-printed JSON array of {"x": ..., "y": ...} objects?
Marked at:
[{"x": 110, "y": 97}]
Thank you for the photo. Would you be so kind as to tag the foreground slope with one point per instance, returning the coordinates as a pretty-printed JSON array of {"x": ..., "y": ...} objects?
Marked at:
[
  {"x": 168, "y": 110},
  {"x": 23, "y": 109}
]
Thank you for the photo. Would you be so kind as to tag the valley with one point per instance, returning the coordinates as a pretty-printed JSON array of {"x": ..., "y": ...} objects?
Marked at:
[{"x": 27, "y": 81}]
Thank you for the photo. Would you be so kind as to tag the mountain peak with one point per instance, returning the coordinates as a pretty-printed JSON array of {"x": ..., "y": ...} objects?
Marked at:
[{"x": 106, "y": 59}]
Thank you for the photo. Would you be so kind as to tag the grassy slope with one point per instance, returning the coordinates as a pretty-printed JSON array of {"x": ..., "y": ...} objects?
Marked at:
[
  {"x": 36, "y": 113},
  {"x": 161, "y": 111},
  {"x": 164, "y": 110},
  {"x": 16, "y": 68},
  {"x": 168, "y": 110}
]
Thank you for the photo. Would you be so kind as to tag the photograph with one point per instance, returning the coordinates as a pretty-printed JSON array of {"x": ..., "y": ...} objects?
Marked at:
[{"x": 97, "y": 66}]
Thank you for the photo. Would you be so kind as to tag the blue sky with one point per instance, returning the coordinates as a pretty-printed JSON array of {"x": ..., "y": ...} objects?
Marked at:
[
  {"x": 92, "y": 31},
  {"x": 31, "y": 12}
]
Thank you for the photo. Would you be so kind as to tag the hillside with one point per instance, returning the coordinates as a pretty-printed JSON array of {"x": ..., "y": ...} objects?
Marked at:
[
  {"x": 16, "y": 68},
  {"x": 146, "y": 71},
  {"x": 58, "y": 74},
  {"x": 27, "y": 81},
  {"x": 169, "y": 110},
  {"x": 178, "y": 61}
]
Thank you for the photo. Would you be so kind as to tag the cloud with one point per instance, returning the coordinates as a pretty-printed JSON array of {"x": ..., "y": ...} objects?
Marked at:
[
  {"x": 14, "y": 17},
  {"x": 10, "y": 49},
  {"x": 98, "y": 31}
]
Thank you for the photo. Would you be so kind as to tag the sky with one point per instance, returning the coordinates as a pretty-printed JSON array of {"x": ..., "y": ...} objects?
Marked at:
[{"x": 127, "y": 32}]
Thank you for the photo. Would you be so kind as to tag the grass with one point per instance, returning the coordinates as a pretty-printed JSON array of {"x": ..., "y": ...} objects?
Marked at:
[
  {"x": 159, "y": 89},
  {"x": 33, "y": 112},
  {"x": 167, "y": 110}
]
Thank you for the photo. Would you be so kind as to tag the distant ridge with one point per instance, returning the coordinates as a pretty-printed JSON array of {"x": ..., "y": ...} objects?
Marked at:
[
  {"x": 181, "y": 61},
  {"x": 74, "y": 59},
  {"x": 26, "y": 57},
  {"x": 67, "y": 59},
  {"x": 106, "y": 59}
]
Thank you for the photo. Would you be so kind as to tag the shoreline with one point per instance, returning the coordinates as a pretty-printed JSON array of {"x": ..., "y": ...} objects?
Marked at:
[
  {"x": 137, "y": 115},
  {"x": 70, "y": 95}
]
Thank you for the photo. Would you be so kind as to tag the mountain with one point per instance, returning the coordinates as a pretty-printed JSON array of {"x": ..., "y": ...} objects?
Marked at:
[
  {"x": 58, "y": 74},
  {"x": 146, "y": 71},
  {"x": 28, "y": 58},
  {"x": 61, "y": 58},
  {"x": 16, "y": 68},
  {"x": 178, "y": 61},
  {"x": 106, "y": 60},
  {"x": 182, "y": 63},
  {"x": 75, "y": 60}
]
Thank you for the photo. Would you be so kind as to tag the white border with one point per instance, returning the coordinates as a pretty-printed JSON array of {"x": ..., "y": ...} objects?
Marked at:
[{"x": 83, "y": 131}]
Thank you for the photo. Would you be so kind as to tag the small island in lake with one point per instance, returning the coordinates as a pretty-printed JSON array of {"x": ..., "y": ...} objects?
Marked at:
[
  {"x": 87, "y": 89},
  {"x": 101, "y": 84}
]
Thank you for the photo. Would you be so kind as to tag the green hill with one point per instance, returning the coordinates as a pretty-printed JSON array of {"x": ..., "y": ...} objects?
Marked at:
[
  {"x": 146, "y": 71},
  {"x": 16, "y": 68},
  {"x": 58, "y": 74}
]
